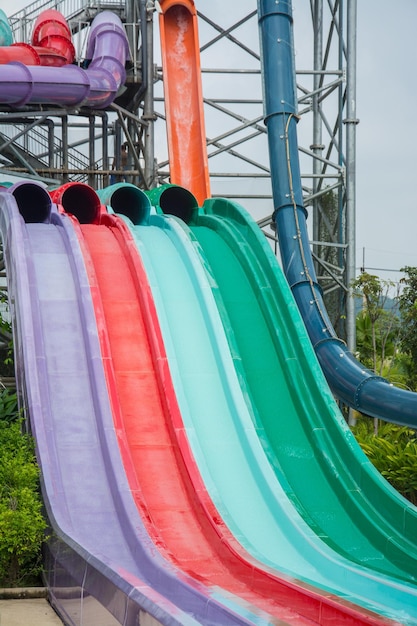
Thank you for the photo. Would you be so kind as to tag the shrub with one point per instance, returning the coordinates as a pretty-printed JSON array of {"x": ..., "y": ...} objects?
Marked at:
[
  {"x": 22, "y": 525},
  {"x": 393, "y": 452},
  {"x": 9, "y": 411}
]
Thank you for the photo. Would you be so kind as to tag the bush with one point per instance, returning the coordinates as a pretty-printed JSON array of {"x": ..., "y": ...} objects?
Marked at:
[
  {"x": 9, "y": 411},
  {"x": 22, "y": 525},
  {"x": 393, "y": 452}
]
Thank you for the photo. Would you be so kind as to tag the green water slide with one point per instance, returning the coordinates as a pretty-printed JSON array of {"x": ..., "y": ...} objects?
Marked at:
[{"x": 324, "y": 473}]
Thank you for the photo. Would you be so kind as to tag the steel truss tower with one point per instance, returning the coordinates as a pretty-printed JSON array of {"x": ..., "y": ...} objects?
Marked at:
[{"x": 58, "y": 145}]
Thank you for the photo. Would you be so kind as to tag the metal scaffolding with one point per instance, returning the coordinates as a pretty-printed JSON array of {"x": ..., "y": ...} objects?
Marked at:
[{"x": 59, "y": 145}]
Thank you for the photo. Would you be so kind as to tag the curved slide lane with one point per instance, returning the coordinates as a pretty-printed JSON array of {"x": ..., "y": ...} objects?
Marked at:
[
  {"x": 217, "y": 421},
  {"x": 141, "y": 398},
  {"x": 181, "y": 518},
  {"x": 289, "y": 525},
  {"x": 98, "y": 555},
  {"x": 372, "y": 524}
]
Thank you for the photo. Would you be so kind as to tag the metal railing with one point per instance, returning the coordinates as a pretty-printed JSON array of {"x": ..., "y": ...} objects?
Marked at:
[
  {"x": 37, "y": 144},
  {"x": 74, "y": 11}
]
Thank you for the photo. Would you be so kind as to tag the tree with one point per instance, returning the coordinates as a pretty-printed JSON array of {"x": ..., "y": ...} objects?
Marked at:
[
  {"x": 6, "y": 333},
  {"x": 408, "y": 310},
  {"x": 377, "y": 327}
]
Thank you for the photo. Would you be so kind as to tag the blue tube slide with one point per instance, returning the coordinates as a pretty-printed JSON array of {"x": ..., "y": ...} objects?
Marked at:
[
  {"x": 98, "y": 553},
  {"x": 70, "y": 85},
  {"x": 349, "y": 380}
]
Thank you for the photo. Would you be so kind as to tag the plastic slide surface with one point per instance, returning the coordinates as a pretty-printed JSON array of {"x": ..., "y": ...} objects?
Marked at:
[
  {"x": 182, "y": 520},
  {"x": 188, "y": 161},
  {"x": 98, "y": 553},
  {"x": 314, "y": 455},
  {"x": 239, "y": 465},
  {"x": 371, "y": 523},
  {"x": 138, "y": 388}
]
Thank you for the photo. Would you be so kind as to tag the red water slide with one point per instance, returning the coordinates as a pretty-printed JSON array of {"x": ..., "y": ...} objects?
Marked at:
[
  {"x": 188, "y": 159},
  {"x": 51, "y": 43}
]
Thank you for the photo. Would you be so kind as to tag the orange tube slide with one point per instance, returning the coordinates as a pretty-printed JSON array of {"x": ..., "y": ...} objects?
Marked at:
[{"x": 183, "y": 97}]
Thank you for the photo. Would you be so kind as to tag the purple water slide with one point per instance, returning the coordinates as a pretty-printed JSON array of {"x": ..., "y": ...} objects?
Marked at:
[
  {"x": 70, "y": 85},
  {"x": 99, "y": 555}
]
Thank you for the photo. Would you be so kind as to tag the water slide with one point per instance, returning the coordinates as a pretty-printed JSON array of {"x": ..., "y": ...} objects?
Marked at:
[
  {"x": 263, "y": 419},
  {"x": 210, "y": 403},
  {"x": 73, "y": 373},
  {"x": 73, "y": 429},
  {"x": 188, "y": 161},
  {"x": 25, "y": 81},
  {"x": 400, "y": 604},
  {"x": 351, "y": 382},
  {"x": 6, "y": 35},
  {"x": 79, "y": 298},
  {"x": 51, "y": 42}
]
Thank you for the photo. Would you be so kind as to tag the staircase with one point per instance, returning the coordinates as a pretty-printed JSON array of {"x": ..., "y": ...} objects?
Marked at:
[{"x": 40, "y": 149}]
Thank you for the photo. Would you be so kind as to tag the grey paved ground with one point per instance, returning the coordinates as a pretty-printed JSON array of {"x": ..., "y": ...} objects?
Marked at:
[
  {"x": 28, "y": 612},
  {"x": 30, "y": 607}
]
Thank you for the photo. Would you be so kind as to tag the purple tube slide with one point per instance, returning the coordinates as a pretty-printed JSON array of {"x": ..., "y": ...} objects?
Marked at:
[{"x": 70, "y": 85}]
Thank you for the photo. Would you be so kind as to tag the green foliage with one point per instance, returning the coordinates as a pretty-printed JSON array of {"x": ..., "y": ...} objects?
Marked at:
[
  {"x": 22, "y": 525},
  {"x": 370, "y": 288},
  {"x": 408, "y": 310},
  {"x": 7, "y": 360},
  {"x": 6, "y": 338},
  {"x": 393, "y": 452},
  {"x": 8, "y": 405},
  {"x": 377, "y": 328}
]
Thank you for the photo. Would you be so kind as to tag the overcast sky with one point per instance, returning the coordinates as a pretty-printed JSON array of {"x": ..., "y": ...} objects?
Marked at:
[
  {"x": 386, "y": 211},
  {"x": 386, "y": 136},
  {"x": 386, "y": 201}
]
